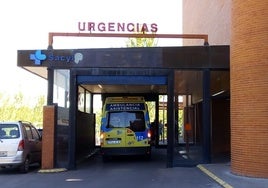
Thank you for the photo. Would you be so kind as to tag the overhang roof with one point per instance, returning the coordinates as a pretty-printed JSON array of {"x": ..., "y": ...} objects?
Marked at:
[{"x": 187, "y": 61}]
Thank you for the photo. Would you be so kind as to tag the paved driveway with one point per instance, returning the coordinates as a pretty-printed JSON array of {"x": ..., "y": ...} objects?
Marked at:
[{"x": 116, "y": 173}]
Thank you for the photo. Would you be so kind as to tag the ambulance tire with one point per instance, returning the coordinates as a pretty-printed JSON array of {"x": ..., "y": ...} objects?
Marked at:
[
  {"x": 148, "y": 157},
  {"x": 105, "y": 158}
]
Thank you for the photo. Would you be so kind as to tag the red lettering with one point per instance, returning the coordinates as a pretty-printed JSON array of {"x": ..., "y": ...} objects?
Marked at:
[
  {"x": 130, "y": 27},
  {"x": 144, "y": 28},
  {"x": 111, "y": 26},
  {"x": 120, "y": 27},
  {"x": 117, "y": 27},
  {"x": 101, "y": 26},
  {"x": 91, "y": 26},
  {"x": 138, "y": 27},
  {"x": 79, "y": 26},
  {"x": 154, "y": 27}
]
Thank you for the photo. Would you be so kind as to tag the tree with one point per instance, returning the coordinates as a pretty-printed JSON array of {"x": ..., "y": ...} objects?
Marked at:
[
  {"x": 141, "y": 42},
  {"x": 15, "y": 108}
]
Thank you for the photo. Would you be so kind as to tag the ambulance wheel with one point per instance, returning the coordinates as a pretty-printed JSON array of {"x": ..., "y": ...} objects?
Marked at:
[
  {"x": 148, "y": 157},
  {"x": 105, "y": 158}
]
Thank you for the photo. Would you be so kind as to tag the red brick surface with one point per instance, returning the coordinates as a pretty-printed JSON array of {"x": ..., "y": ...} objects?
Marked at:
[
  {"x": 249, "y": 88},
  {"x": 48, "y": 137},
  {"x": 243, "y": 25}
]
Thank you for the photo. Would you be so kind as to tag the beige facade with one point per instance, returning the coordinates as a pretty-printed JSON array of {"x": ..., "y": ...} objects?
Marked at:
[{"x": 207, "y": 17}]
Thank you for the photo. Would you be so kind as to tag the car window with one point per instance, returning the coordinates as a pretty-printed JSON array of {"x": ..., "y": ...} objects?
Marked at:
[
  {"x": 35, "y": 134},
  {"x": 9, "y": 131},
  {"x": 28, "y": 131}
]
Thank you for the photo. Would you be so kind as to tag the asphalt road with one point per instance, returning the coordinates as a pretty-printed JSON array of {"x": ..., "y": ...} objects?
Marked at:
[{"x": 116, "y": 173}]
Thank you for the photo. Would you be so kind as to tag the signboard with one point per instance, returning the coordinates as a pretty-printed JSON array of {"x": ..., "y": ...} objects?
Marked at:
[
  {"x": 117, "y": 27},
  {"x": 125, "y": 106},
  {"x": 153, "y": 57},
  {"x": 111, "y": 57}
]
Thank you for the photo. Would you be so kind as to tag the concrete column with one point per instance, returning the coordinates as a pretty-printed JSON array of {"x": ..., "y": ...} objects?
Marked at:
[{"x": 249, "y": 88}]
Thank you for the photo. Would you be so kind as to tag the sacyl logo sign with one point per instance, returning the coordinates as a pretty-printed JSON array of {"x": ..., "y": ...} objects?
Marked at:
[
  {"x": 78, "y": 57},
  {"x": 37, "y": 57}
]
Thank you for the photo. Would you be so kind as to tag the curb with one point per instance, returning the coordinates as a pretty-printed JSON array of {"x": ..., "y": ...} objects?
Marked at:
[
  {"x": 214, "y": 177},
  {"x": 54, "y": 170}
]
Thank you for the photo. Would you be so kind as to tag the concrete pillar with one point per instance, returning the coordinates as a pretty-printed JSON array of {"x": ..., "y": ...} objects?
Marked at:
[{"x": 249, "y": 88}]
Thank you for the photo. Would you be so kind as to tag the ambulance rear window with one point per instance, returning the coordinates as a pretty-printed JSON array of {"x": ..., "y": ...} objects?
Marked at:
[{"x": 127, "y": 119}]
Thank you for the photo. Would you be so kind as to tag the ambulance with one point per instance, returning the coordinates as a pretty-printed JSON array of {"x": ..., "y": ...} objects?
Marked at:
[{"x": 125, "y": 127}]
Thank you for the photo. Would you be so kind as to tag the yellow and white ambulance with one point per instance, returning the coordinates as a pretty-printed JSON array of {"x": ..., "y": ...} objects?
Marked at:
[{"x": 125, "y": 127}]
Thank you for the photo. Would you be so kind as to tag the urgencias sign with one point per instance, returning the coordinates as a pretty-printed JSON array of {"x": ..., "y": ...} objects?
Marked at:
[{"x": 117, "y": 27}]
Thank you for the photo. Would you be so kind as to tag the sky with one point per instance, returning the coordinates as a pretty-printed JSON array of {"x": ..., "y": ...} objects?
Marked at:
[{"x": 25, "y": 25}]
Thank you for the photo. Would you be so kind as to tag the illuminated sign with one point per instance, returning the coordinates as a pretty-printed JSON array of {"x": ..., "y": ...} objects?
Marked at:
[
  {"x": 117, "y": 27},
  {"x": 38, "y": 57}
]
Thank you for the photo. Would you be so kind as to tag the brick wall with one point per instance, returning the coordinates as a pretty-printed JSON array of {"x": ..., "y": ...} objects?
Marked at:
[
  {"x": 48, "y": 137},
  {"x": 249, "y": 88},
  {"x": 243, "y": 25}
]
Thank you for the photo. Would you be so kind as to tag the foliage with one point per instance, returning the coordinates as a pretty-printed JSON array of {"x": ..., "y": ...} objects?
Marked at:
[
  {"x": 141, "y": 42},
  {"x": 17, "y": 107},
  {"x": 162, "y": 113},
  {"x": 151, "y": 110}
]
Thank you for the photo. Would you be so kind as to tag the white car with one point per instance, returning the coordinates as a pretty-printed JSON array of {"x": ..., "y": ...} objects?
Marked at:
[{"x": 20, "y": 145}]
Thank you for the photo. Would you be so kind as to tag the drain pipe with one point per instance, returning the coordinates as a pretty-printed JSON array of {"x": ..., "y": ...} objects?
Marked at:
[{"x": 51, "y": 35}]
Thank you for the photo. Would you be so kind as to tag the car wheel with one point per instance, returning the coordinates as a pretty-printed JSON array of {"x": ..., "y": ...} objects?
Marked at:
[{"x": 24, "y": 168}]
